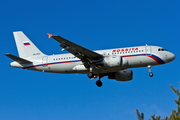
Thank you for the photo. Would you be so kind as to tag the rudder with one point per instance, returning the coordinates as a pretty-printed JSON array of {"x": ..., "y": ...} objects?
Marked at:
[{"x": 25, "y": 46}]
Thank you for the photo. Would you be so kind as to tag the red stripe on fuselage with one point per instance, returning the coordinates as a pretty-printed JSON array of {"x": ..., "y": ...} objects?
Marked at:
[
  {"x": 157, "y": 59},
  {"x": 51, "y": 64},
  {"x": 151, "y": 56}
]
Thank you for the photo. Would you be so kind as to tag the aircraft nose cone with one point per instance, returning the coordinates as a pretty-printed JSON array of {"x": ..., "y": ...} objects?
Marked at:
[{"x": 171, "y": 57}]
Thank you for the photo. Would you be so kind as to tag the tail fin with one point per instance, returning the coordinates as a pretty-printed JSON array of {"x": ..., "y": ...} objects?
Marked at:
[{"x": 26, "y": 48}]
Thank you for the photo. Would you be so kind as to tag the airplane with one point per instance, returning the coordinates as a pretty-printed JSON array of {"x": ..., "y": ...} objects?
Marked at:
[{"x": 113, "y": 63}]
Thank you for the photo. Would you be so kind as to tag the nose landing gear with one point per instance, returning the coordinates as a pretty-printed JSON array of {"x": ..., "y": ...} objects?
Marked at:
[
  {"x": 151, "y": 74},
  {"x": 150, "y": 71}
]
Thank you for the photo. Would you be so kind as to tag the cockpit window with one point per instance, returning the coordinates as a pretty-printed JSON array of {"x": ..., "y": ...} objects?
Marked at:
[{"x": 162, "y": 49}]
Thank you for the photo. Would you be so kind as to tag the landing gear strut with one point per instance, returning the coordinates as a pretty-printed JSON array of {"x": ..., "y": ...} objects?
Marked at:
[
  {"x": 90, "y": 74},
  {"x": 150, "y": 71}
]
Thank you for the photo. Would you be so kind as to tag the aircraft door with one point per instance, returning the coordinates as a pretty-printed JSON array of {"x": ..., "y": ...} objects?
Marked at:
[
  {"x": 104, "y": 53},
  {"x": 45, "y": 65},
  {"x": 44, "y": 59},
  {"x": 148, "y": 50}
]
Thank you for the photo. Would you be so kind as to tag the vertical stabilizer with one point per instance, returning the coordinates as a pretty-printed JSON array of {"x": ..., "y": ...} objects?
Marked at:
[{"x": 26, "y": 48}]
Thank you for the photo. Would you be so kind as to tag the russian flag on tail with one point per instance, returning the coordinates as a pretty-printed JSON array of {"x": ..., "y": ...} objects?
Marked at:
[{"x": 26, "y": 43}]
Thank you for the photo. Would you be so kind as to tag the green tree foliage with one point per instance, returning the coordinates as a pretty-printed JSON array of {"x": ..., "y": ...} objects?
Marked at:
[
  {"x": 140, "y": 116},
  {"x": 175, "y": 115}
]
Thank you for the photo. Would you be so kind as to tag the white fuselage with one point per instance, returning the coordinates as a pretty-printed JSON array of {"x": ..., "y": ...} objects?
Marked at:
[{"x": 140, "y": 56}]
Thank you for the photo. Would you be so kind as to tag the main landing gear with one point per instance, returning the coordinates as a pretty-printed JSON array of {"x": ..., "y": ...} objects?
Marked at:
[
  {"x": 150, "y": 71},
  {"x": 99, "y": 83},
  {"x": 92, "y": 76}
]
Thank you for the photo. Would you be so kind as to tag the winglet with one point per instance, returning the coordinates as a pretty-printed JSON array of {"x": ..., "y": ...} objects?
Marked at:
[{"x": 49, "y": 35}]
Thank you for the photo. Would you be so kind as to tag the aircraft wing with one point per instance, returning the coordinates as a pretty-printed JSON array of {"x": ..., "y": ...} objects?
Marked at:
[{"x": 75, "y": 49}]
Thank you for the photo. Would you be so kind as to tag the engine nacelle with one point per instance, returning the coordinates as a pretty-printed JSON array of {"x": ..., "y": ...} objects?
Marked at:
[
  {"x": 124, "y": 75},
  {"x": 115, "y": 61},
  {"x": 112, "y": 61}
]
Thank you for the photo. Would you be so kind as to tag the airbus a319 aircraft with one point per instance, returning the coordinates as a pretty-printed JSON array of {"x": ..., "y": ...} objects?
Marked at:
[{"x": 112, "y": 63}]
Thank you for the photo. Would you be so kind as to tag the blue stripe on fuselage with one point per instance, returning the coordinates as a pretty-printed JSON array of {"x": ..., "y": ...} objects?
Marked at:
[{"x": 156, "y": 58}]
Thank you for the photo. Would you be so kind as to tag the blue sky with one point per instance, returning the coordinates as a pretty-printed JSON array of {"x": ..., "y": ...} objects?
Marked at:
[{"x": 94, "y": 24}]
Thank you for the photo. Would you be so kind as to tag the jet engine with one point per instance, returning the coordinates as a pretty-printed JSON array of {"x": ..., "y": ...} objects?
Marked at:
[{"x": 124, "y": 75}]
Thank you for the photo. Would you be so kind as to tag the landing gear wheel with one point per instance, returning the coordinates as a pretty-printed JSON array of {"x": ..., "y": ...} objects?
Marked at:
[
  {"x": 99, "y": 83},
  {"x": 151, "y": 74},
  {"x": 90, "y": 75}
]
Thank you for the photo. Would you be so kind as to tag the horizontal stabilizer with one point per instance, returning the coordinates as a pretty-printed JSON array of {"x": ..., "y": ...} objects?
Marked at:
[{"x": 18, "y": 59}]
